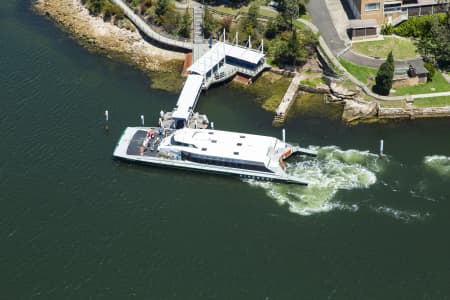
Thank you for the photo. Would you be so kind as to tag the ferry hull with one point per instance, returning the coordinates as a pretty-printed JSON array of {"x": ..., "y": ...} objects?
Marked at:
[
  {"x": 130, "y": 140},
  {"x": 259, "y": 177}
]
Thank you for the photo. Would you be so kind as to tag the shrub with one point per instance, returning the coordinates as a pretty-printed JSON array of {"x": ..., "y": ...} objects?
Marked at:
[
  {"x": 271, "y": 30},
  {"x": 431, "y": 71},
  {"x": 226, "y": 23},
  {"x": 417, "y": 26},
  {"x": 383, "y": 80},
  {"x": 185, "y": 28},
  {"x": 387, "y": 29},
  {"x": 209, "y": 23}
]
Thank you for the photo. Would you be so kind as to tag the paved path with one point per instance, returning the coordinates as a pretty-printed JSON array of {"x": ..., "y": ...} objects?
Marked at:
[
  {"x": 329, "y": 54},
  {"x": 420, "y": 96},
  {"x": 321, "y": 17},
  {"x": 147, "y": 30},
  {"x": 331, "y": 19},
  {"x": 371, "y": 62},
  {"x": 339, "y": 18}
]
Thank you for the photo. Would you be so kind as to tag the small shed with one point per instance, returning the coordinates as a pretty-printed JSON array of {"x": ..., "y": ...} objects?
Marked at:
[
  {"x": 417, "y": 69},
  {"x": 362, "y": 29}
]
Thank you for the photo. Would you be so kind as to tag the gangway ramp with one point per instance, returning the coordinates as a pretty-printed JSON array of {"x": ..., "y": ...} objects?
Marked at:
[{"x": 188, "y": 97}]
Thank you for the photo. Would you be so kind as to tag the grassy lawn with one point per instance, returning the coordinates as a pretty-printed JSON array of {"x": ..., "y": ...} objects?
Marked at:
[
  {"x": 391, "y": 104},
  {"x": 434, "y": 101},
  {"x": 401, "y": 48},
  {"x": 306, "y": 16},
  {"x": 313, "y": 81},
  {"x": 300, "y": 25},
  {"x": 360, "y": 72},
  {"x": 439, "y": 84},
  {"x": 263, "y": 12}
]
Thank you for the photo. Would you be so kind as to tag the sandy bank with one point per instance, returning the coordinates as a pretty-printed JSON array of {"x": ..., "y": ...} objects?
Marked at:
[{"x": 105, "y": 37}]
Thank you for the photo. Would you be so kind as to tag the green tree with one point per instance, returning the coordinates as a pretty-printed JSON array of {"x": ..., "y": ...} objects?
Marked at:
[
  {"x": 145, "y": 5},
  {"x": 161, "y": 7},
  {"x": 289, "y": 52},
  {"x": 294, "y": 47},
  {"x": 271, "y": 30},
  {"x": 253, "y": 14},
  {"x": 209, "y": 23},
  {"x": 95, "y": 6},
  {"x": 226, "y": 23},
  {"x": 301, "y": 7},
  {"x": 185, "y": 28},
  {"x": 431, "y": 71},
  {"x": 385, "y": 74},
  {"x": 291, "y": 11},
  {"x": 170, "y": 20},
  {"x": 435, "y": 46}
]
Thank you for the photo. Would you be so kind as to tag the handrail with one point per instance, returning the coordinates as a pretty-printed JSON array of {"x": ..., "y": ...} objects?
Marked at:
[{"x": 145, "y": 28}]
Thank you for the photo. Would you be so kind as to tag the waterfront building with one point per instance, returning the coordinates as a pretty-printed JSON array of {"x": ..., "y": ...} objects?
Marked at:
[{"x": 367, "y": 16}]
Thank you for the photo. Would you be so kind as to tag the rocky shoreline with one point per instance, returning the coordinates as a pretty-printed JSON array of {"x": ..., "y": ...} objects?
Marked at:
[
  {"x": 104, "y": 37},
  {"x": 125, "y": 43},
  {"x": 357, "y": 109}
]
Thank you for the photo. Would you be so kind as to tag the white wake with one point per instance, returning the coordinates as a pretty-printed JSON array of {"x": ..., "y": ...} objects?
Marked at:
[{"x": 332, "y": 170}]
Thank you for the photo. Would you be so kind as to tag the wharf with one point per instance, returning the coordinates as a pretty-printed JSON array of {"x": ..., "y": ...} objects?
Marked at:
[
  {"x": 288, "y": 99},
  {"x": 213, "y": 64}
]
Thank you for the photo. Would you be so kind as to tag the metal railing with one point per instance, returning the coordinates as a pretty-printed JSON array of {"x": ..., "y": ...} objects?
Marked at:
[{"x": 150, "y": 32}]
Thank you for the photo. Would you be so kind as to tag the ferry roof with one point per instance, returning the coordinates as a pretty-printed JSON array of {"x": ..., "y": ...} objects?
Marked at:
[
  {"x": 218, "y": 52},
  {"x": 226, "y": 144},
  {"x": 188, "y": 96}
]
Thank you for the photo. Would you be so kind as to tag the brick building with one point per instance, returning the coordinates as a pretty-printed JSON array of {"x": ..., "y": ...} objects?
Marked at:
[{"x": 387, "y": 12}]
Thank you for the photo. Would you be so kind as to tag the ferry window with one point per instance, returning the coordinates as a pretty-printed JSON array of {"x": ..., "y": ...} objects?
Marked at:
[
  {"x": 236, "y": 153},
  {"x": 210, "y": 132},
  {"x": 213, "y": 141},
  {"x": 203, "y": 149},
  {"x": 242, "y": 136},
  {"x": 239, "y": 144}
]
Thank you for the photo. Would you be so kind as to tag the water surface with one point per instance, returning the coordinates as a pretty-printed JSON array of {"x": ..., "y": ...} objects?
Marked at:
[{"x": 74, "y": 224}]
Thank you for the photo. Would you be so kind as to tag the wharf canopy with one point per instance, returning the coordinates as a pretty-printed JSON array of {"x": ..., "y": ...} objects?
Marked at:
[{"x": 222, "y": 53}]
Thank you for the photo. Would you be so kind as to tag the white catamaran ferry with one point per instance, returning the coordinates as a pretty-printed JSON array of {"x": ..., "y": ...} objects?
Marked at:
[{"x": 223, "y": 152}]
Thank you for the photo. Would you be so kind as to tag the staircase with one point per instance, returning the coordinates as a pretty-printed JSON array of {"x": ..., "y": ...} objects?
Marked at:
[
  {"x": 403, "y": 17},
  {"x": 198, "y": 21}
]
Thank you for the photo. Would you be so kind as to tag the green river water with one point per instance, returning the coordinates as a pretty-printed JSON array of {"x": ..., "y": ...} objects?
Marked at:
[{"x": 75, "y": 224}]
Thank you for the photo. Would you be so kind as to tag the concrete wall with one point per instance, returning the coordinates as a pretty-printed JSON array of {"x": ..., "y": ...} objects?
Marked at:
[
  {"x": 408, "y": 81},
  {"x": 412, "y": 113}
]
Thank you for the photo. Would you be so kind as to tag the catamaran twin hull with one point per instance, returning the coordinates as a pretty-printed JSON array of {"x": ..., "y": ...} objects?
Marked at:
[{"x": 221, "y": 152}]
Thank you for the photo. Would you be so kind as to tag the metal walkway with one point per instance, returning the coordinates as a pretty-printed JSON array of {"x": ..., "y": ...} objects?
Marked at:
[{"x": 219, "y": 63}]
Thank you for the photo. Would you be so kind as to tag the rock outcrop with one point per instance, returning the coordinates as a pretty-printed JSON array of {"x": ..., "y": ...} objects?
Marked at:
[
  {"x": 359, "y": 110},
  {"x": 101, "y": 36},
  {"x": 340, "y": 93}
]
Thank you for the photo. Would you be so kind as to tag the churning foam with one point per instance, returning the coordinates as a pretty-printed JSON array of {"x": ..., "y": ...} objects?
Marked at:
[
  {"x": 439, "y": 164},
  {"x": 331, "y": 170},
  {"x": 405, "y": 216}
]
